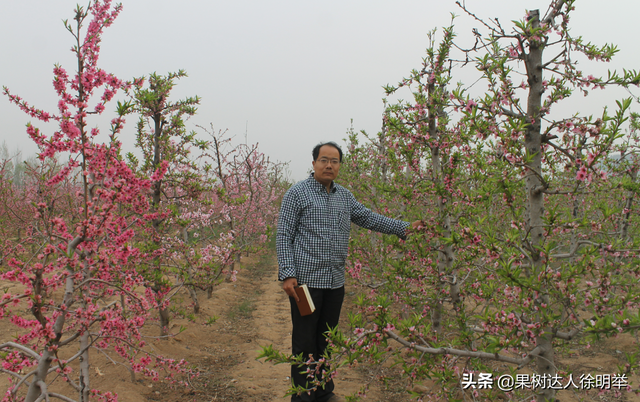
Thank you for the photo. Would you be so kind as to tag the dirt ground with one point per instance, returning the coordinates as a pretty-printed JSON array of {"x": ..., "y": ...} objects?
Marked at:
[
  {"x": 242, "y": 316},
  {"x": 251, "y": 312}
]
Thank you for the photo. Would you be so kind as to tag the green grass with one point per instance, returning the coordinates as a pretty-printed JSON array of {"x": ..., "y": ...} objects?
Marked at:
[{"x": 243, "y": 310}]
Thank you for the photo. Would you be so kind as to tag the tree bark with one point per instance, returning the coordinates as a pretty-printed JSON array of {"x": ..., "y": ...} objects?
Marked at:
[
  {"x": 545, "y": 363},
  {"x": 446, "y": 255},
  {"x": 624, "y": 221},
  {"x": 163, "y": 312},
  {"x": 192, "y": 290},
  {"x": 84, "y": 368},
  {"x": 44, "y": 363}
]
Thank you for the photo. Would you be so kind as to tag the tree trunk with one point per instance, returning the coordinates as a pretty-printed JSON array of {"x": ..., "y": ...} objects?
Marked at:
[
  {"x": 84, "y": 368},
  {"x": 626, "y": 212},
  {"x": 164, "y": 320},
  {"x": 44, "y": 363},
  {"x": 163, "y": 312},
  {"x": 446, "y": 255},
  {"x": 545, "y": 363},
  {"x": 577, "y": 201},
  {"x": 123, "y": 304},
  {"x": 235, "y": 260},
  {"x": 191, "y": 288},
  {"x": 194, "y": 298}
]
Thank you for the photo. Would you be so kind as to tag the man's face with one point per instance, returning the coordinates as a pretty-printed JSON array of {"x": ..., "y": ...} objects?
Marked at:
[{"x": 327, "y": 165}]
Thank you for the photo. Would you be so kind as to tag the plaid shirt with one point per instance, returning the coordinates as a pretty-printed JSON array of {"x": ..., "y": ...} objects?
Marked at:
[{"x": 313, "y": 232}]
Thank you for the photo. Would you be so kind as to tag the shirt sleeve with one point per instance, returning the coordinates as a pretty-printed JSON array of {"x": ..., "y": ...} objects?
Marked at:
[
  {"x": 285, "y": 236},
  {"x": 366, "y": 218}
]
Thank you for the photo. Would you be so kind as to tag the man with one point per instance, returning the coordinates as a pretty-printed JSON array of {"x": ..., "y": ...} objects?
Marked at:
[{"x": 312, "y": 242}]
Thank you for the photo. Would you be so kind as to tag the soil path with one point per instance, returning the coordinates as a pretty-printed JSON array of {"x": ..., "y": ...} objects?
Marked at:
[
  {"x": 252, "y": 312},
  {"x": 271, "y": 325}
]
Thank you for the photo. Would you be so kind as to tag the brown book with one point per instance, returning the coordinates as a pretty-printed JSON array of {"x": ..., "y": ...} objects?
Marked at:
[{"x": 305, "y": 305}]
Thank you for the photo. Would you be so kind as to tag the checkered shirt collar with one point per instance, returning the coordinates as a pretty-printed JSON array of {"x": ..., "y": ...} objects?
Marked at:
[{"x": 315, "y": 184}]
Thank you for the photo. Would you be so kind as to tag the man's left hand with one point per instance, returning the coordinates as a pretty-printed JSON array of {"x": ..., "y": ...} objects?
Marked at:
[{"x": 415, "y": 226}]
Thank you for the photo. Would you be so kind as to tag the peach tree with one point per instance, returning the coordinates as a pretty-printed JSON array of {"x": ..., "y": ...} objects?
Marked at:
[
  {"x": 529, "y": 237},
  {"x": 74, "y": 288}
]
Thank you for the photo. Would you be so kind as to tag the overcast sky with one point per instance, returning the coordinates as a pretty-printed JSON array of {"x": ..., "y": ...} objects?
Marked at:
[{"x": 288, "y": 73}]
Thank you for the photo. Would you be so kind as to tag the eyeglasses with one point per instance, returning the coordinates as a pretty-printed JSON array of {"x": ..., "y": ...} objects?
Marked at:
[{"x": 324, "y": 161}]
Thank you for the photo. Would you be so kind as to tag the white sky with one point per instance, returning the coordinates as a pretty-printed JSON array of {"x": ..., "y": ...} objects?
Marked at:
[{"x": 291, "y": 73}]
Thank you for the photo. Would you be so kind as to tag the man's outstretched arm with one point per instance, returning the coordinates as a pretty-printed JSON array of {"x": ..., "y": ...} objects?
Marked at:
[{"x": 366, "y": 218}]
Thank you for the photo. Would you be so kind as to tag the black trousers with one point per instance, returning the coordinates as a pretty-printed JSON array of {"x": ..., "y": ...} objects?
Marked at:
[{"x": 308, "y": 337}]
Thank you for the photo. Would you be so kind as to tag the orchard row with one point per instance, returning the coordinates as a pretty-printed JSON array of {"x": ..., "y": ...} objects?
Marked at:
[{"x": 96, "y": 243}]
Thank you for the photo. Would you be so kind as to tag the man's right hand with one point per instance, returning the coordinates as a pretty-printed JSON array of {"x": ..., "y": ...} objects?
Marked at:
[{"x": 288, "y": 286}]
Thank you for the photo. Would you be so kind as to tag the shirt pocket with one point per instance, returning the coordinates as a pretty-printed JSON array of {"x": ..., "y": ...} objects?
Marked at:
[{"x": 344, "y": 221}]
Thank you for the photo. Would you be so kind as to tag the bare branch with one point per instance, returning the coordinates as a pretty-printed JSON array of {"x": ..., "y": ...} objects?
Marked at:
[
  {"x": 567, "y": 336},
  {"x": 21, "y": 348},
  {"x": 521, "y": 362},
  {"x": 553, "y": 12},
  {"x": 61, "y": 397}
]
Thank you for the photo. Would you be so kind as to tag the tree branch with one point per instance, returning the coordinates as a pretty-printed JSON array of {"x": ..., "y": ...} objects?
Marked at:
[
  {"x": 521, "y": 362},
  {"x": 567, "y": 336},
  {"x": 21, "y": 348}
]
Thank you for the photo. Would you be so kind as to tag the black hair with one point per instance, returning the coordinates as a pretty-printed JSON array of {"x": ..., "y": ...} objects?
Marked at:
[{"x": 316, "y": 149}]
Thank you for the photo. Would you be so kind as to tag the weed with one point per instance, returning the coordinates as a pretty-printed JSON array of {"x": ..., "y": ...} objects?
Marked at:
[{"x": 211, "y": 320}]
